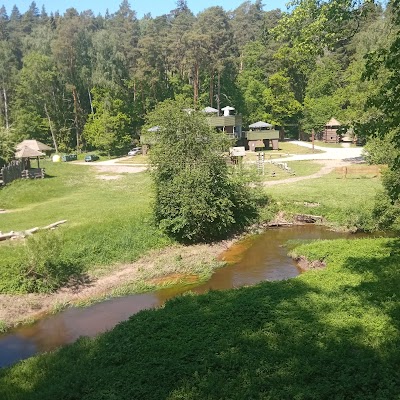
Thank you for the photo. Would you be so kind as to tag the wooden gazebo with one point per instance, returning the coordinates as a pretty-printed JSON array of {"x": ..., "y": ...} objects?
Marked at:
[
  {"x": 25, "y": 154},
  {"x": 34, "y": 145}
]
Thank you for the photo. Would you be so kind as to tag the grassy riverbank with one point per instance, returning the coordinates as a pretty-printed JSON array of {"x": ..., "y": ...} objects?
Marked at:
[
  {"x": 343, "y": 202},
  {"x": 327, "y": 334}
]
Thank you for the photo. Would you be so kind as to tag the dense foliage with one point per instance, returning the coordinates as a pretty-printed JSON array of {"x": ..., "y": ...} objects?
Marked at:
[
  {"x": 331, "y": 334},
  {"x": 384, "y": 124},
  {"x": 61, "y": 73},
  {"x": 196, "y": 198}
]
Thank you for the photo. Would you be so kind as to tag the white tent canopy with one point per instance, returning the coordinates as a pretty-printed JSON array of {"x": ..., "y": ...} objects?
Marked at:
[
  {"x": 210, "y": 110},
  {"x": 154, "y": 129},
  {"x": 261, "y": 124}
]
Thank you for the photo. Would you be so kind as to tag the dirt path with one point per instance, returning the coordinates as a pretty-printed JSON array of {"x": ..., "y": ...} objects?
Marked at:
[
  {"x": 328, "y": 167},
  {"x": 169, "y": 264}
]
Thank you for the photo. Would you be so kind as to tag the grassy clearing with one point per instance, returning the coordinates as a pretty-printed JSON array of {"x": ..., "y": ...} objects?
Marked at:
[
  {"x": 331, "y": 334},
  {"x": 108, "y": 221},
  {"x": 343, "y": 202},
  {"x": 285, "y": 150}
]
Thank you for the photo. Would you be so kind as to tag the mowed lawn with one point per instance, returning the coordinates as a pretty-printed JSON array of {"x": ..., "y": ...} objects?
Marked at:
[
  {"x": 329, "y": 334},
  {"x": 109, "y": 221}
]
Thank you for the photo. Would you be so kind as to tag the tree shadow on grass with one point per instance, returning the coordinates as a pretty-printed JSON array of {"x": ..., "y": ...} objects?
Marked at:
[{"x": 279, "y": 340}]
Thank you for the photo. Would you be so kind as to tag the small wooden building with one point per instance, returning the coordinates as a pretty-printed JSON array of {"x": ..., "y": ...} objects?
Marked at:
[
  {"x": 330, "y": 134},
  {"x": 229, "y": 123},
  {"x": 262, "y": 134}
]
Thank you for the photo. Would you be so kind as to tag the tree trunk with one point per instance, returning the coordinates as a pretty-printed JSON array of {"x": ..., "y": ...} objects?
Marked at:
[
  {"x": 219, "y": 91},
  {"x": 90, "y": 100},
  {"x": 76, "y": 120},
  {"x": 5, "y": 108},
  {"x": 196, "y": 84},
  {"x": 51, "y": 128},
  {"x": 211, "y": 88}
]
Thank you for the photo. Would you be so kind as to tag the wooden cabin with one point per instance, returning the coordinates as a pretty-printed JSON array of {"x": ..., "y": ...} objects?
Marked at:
[
  {"x": 228, "y": 123},
  {"x": 264, "y": 135},
  {"x": 330, "y": 134}
]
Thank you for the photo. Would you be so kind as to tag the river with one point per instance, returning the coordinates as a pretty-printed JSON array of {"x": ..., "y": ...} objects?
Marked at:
[{"x": 259, "y": 258}]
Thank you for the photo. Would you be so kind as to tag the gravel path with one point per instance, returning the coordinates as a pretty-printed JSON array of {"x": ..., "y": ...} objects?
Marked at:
[
  {"x": 331, "y": 158},
  {"x": 328, "y": 167}
]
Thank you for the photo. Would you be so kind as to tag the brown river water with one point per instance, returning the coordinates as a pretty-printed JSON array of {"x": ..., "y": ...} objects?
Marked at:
[{"x": 262, "y": 257}]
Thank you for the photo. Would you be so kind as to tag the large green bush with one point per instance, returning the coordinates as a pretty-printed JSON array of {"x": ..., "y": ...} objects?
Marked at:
[{"x": 196, "y": 198}]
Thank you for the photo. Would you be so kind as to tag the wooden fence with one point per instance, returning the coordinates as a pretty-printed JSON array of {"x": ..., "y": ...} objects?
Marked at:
[
  {"x": 360, "y": 170},
  {"x": 11, "y": 171}
]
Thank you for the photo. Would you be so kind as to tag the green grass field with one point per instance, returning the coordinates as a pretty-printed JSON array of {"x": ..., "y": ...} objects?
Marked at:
[
  {"x": 342, "y": 202},
  {"x": 109, "y": 221},
  {"x": 330, "y": 334}
]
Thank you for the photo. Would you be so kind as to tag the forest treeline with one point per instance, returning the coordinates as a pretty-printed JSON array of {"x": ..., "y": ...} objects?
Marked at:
[{"x": 80, "y": 80}]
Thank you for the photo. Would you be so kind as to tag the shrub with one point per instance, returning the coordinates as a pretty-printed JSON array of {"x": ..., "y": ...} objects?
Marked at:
[
  {"x": 45, "y": 269},
  {"x": 196, "y": 198}
]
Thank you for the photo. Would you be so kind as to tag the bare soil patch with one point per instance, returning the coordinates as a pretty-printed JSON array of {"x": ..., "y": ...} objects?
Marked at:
[
  {"x": 169, "y": 265},
  {"x": 306, "y": 265}
]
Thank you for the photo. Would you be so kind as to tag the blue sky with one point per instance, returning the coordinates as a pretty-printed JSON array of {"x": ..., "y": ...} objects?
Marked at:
[{"x": 155, "y": 7}]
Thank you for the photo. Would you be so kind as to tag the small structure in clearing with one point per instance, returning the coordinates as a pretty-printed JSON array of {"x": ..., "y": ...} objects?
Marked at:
[
  {"x": 262, "y": 134},
  {"x": 228, "y": 123},
  {"x": 330, "y": 134}
]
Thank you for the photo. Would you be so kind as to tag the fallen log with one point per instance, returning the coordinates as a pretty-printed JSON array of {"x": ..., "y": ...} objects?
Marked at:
[
  {"x": 5, "y": 236},
  {"x": 22, "y": 234},
  {"x": 310, "y": 219},
  {"x": 55, "y": 224}
]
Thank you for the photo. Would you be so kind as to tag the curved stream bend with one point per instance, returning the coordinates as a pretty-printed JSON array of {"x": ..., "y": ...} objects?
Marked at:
[{"x": 264, "y": 258}]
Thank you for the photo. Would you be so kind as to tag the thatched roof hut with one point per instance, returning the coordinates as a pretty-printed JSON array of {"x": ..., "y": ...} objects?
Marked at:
[
  {"x": 27, "y": 153},
  {"x": 34, "y": 145}
]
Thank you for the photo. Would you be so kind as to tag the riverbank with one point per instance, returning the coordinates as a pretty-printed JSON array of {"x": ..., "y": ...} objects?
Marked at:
[
  {"x": 332, "y": 333},
  {"x": 90, "y": 239},
  {"x": 175, "y": 265},
  {"x": 172, "y": 266}
]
